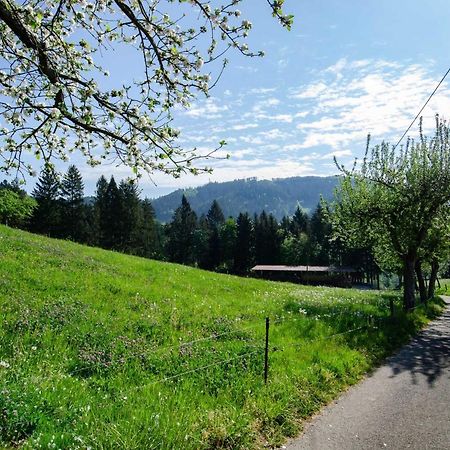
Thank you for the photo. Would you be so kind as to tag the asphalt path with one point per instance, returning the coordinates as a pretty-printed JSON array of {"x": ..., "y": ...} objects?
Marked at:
[{"x": 404, "y": 404}]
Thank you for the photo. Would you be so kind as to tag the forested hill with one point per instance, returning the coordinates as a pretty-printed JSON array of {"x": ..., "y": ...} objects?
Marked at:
[{"x": 278, "y": 196}]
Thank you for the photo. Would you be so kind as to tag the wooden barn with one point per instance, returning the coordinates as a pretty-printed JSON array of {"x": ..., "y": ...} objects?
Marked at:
[{"x": 315, "y": 275}]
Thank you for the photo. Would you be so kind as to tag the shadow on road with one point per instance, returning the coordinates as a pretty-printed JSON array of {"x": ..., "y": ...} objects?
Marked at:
[{"x": 428, "y": 355}]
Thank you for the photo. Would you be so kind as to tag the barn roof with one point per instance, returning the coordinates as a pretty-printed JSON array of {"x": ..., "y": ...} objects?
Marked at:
[{"x": 280, "y": 268}]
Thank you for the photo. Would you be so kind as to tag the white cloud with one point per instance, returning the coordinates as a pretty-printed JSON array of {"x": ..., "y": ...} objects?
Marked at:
[
  {"x": 362, "y": 97},
  {"x": 310, "y": 91},
  {"x": 210, "y": 108},
  {"x": 287, "y": 118},
  {"x": 293, "y": 147},
  {"x": 244, "y": 126},
  {"x": 273, "y": 134},
  {"x": 260, "y": 106},
  {"x": 258, "y": 91},
  {"x": 252, "y": 140},
  {"x": 336, "y": 154},
  {"x": 336, "y": 69},
  {"x": 272, "y": 102}
]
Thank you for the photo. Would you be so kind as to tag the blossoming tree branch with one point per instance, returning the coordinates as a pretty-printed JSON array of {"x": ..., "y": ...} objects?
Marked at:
[{"x": 52, "y": 102}]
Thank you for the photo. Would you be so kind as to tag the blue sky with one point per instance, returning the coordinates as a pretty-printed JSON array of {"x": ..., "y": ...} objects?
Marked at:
[{"x": 347, "y": 68}]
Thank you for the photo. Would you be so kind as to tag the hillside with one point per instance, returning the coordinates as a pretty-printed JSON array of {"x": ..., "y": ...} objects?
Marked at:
[
  {"x": 278, "y": 196},
  {"x": 104, "y": 350}
]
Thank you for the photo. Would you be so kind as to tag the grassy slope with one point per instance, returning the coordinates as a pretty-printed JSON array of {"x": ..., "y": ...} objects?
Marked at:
[{"x": 86, "y": 335}]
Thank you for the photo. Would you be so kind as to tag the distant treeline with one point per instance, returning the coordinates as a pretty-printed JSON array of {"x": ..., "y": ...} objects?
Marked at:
[
  {"x": 279, "y": 197},
  {"x": 118, "y": 219}
]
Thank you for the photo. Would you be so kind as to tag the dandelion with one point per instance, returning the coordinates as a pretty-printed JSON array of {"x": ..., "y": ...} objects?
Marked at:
[{"x": 4, "y": 364}]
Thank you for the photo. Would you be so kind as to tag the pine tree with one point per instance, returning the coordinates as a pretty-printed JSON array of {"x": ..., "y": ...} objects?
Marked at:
[
  {"x": 201, "y": 243},
  {"x": 108, "y": 212},
  {"x": 214, "y": 255},
  {"x": 320, "y": 236},
  {"x": 100, "y": 211},
  {"x": 267, "y": 239},
  {"x": 273, "y": 241},
  {"x": 244, "y": 244},
  {"x": 214, "y": 220},
  {"x": 73, "y": 219},
  {"x": 215, "y": 217},
  {"x": 149, "y": 239},
  {"x": 129, "y": 217},
  {"x": 299, "y": 222},
  {"x": 113, "y": 224},
  {"x": 46, "y": 217},
  {"x": 181, "y": 233},
  {"x": 286, "y": 227},
  {"x": 227, "y": 237}
]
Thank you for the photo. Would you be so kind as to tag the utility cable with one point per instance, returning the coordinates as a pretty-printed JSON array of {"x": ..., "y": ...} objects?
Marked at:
[{"x": 423, "y": 107}]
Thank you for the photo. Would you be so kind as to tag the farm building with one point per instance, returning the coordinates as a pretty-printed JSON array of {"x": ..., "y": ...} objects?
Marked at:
[{"x": 323, "y": 275}]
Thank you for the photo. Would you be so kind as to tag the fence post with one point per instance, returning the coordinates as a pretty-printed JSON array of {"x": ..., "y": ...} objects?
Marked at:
[
  {"x": 391, "y": 306},
  {"x": 266, "y": 353}
]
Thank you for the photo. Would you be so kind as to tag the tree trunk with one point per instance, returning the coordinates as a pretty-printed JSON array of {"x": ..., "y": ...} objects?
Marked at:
[
  {"x": 433, "y": 277},
  {"x": 421, "y": 282},
  {"x": 408, "y": 282}
]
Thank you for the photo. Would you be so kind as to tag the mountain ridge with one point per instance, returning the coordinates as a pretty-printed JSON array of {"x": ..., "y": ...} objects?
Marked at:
[{"x": 279, "y": 196}]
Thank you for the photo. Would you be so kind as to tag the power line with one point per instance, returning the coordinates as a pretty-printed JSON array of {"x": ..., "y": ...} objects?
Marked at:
[{"x": 423, "y": 107}]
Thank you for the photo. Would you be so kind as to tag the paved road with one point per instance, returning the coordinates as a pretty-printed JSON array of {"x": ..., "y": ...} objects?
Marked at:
[{"x": 405, "y": 404}]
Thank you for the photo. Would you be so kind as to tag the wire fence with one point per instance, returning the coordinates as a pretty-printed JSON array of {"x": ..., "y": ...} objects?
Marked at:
[
  {"x": 372, "y": 322},
  {"x": 198, "y": 369},
  {"x": 262, "y": 350}
]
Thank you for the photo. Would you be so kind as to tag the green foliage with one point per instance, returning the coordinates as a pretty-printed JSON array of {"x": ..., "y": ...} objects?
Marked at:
[
  {"x": 212, "y": 255},
  {"x": 296, "y": 251},
  {"x": 101, "y": 211},
  {"x": 215, "y": 217},
  {"x": 149, "y": 241},
  {"x": 394, "y": 200},
  {"x": 86, "y": 336},
  {"x": 267, "y": 239},
  {"x": 73, "y": 218},
  {"x": 129, "y": 217},
  {"x": 227, "y": 236},
  {"x": 180, "y": 234},
  {"x": 299, "y": 222},
  {"x": 244, "y": 244},
  {"x": 46, "y": 217},
  {"x": 110, "y": 221},
  {"x": 15, "y": 209}
]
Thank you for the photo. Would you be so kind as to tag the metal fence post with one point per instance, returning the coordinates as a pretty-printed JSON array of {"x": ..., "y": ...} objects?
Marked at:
[{"x": 266, "y": 353}]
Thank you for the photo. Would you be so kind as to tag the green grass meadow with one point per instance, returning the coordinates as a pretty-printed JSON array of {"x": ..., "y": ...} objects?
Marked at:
[{"x": 104, "y": 351}]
